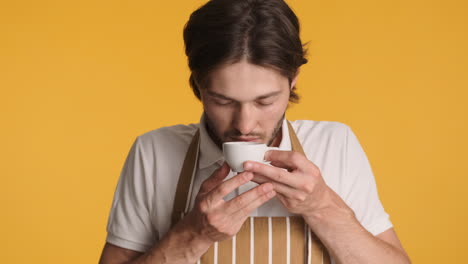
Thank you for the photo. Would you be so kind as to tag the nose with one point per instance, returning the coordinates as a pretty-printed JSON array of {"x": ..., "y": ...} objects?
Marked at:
[{"x": 244, "y": 119}]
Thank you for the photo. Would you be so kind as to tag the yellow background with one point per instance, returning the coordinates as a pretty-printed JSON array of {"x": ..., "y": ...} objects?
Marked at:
[{"x": 80, "y": 80}]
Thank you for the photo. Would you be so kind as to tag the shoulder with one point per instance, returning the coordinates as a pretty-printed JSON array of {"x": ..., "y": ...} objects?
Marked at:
[
  {"x": 324, "y": 142},
  {"x": 167, "y": 138},
  {"x": 308, "y": 130},
  {"x": 176, "y": 132}
]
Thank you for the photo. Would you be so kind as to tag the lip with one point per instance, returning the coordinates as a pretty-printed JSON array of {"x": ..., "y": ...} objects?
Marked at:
[{"x": 246, "y": 139}]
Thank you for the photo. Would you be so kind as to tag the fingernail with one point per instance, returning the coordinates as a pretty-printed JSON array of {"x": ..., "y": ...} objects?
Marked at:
[
  {"x": 271, "y": 194},
  {"x": 247, "y": 165},
  {"x": 248, "y": 176}
]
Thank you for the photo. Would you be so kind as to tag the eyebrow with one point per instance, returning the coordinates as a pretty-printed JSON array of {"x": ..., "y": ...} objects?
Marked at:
[{"x": 214, "y": 94}]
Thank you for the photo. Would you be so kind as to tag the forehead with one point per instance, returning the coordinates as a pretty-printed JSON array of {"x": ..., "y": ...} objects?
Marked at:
[{"x": 243, "y": 79}]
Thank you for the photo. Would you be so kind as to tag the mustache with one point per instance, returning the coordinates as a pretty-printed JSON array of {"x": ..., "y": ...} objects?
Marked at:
[{"x": 236, "y": 133}]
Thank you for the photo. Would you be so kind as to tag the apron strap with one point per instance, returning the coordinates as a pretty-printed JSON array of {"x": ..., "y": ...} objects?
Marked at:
[
  {"x": 295, "y": 144},
  {"x": 185, "y": 179}
]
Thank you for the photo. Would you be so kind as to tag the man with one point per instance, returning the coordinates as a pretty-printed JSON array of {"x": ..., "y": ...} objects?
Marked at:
[{"x": 244, "y": 58}]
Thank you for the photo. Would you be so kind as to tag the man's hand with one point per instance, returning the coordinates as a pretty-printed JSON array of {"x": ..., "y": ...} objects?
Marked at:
[
  {"x": 212, "y": 219},
  {"x": 297, "y": 181},
  {"x": 215, "y": 219},
  {"x": 302, "y": 190}
]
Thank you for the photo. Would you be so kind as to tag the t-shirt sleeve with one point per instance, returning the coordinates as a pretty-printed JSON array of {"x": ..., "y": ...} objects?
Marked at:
[
  {"x": 129, "y": 225},
  {"x": 360, "y": 188}
]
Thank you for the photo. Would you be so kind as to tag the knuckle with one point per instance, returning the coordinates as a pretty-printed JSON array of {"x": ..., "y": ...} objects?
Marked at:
[
  {"x": 308, "y": 187},
  {"x": 296, "y": 156},
  {"x": 289, "y": 203},
  {"x": 313, "y": 170},
  {"x": 239, "y": 202},
  {"x": 242, "y": 178},
  {"x": 317, "y": 170},
  {"x": 260, "y": 190},
  {"x": 212, "y": 219},
  {"x": 278, "y": 176},
  {"x": 203, "y": 206},
  {"x": 299, "y": 197},
  {"x": 222, "y": 189},
  {"x": 281, "y": 175}
]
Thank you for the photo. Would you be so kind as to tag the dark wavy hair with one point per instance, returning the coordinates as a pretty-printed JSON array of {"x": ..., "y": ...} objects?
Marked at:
[{"x": 263, "y": 32}]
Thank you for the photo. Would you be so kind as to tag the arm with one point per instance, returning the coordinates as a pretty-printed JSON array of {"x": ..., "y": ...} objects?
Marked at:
[
  {"x": 168, "y": 250},
  {"x": 212, "y": 219},
  {"x": 348, "y": 241}
]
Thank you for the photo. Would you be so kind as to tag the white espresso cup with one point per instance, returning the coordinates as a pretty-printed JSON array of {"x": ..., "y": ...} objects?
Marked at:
[{"x": 236, "y": 153}]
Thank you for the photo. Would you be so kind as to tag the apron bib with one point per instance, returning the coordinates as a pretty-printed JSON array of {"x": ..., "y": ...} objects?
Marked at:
[{"x": 261, "y": 240}]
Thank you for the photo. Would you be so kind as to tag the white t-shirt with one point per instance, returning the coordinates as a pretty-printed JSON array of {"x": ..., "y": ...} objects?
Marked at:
[{"x": 144, "y": 197}]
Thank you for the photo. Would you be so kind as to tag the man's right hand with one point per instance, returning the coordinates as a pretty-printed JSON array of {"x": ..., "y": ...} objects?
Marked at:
[{"x": 215, "y": 219}]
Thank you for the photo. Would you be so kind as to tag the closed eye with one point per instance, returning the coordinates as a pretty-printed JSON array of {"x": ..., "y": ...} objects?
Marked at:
[
  {"x": 223, "y": 102},
  {"x": 264, "y": 103}
]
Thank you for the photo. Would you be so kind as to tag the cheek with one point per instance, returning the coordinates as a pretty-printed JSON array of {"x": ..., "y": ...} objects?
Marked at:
[
  {"x": 219, "y": 116},
  {"x": 269, "y": 119},
  {"x": 277, "y": 111},
  {"x": 214, "y": 112}
]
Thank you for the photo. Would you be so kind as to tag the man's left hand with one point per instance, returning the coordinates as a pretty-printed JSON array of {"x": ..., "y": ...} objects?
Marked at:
[{"x": 297, "y": 181}]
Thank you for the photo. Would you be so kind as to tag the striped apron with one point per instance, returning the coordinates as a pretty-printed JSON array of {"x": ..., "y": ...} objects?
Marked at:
[{"x": 261, "y": 240}]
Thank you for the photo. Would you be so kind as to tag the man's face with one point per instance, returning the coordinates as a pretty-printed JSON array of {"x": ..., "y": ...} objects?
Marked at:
[{"x": 245, "y": 102}]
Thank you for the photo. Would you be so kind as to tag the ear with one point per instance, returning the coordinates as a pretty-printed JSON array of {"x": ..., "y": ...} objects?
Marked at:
[{"x": 293, "y": 82}]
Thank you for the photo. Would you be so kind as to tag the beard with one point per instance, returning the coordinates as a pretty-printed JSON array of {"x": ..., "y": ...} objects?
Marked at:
[{"x": 210, "y": 128}]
